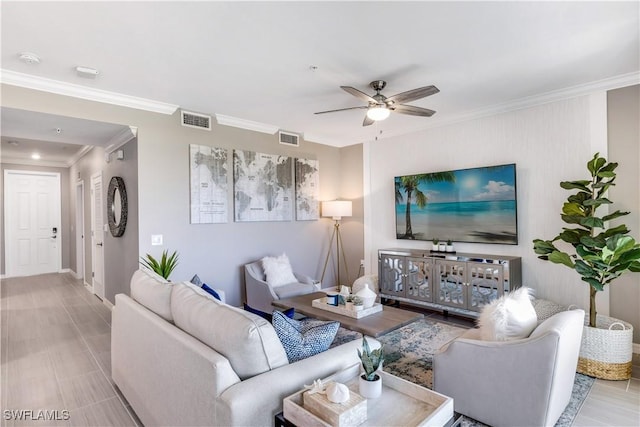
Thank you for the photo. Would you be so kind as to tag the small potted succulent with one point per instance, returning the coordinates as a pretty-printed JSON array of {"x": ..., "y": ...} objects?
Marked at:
[
  {"x": 358, "y": 304},
  {"x": 434, "y": 246},
  {"x": 370, "y": 381},
  {"x": 449, "y": 245}
]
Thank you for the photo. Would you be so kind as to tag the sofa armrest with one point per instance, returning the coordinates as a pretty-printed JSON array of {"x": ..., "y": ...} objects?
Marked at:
[
  {"x": 259, "y": 293},
  {"x": 153, "y": 363},
  {"x": 477, "y": 374},
  {"x": 304, "y": 279},
  {"x": 256, "y": 400}
]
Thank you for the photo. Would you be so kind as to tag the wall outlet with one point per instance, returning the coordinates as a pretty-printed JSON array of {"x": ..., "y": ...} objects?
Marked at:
[{"x": 156, "y": 239}]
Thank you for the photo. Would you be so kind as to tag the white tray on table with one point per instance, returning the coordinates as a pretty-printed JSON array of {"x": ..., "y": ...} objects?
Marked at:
[
  {"x": 402, "y": 403},
  {"x": 341, "y": 309}
]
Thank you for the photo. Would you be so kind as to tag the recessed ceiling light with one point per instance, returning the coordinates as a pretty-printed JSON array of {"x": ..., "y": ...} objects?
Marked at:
[
  {"x": 35, "y": 156},
  {"x": 29, "y": 58}
]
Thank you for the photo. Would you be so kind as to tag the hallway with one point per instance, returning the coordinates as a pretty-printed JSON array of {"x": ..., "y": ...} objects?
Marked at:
[{"x": 56, "y": 355}]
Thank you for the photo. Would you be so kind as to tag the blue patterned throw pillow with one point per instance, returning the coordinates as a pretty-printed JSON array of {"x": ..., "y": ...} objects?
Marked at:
[
  {"x": 196, "y": 280},
  {"x": 303, "y": 339}
]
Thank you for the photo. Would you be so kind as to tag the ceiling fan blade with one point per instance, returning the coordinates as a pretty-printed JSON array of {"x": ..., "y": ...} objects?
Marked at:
[
  {"x": 412, "y": 95},
  {"x": 358, "y": 94},
  {"x": 342, "y": 109},
  {"x": 413, "y": 111}
]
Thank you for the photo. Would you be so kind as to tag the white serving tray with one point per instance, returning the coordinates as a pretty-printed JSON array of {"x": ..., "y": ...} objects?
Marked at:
[
  {"x": 341, "y": 309},
  {"x": 402, "y": 403}
]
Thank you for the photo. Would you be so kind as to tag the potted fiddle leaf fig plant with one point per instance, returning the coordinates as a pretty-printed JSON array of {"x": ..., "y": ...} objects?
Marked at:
[
  {"x": 599, "y": 253},
  {"x": 164, "y": 266},
  {"x": 370, "y": 381}
]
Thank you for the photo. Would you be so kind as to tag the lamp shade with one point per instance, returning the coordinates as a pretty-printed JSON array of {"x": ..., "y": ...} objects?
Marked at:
[
  {"x": 378, "y": 112},
  {"x": 336, "y": 208}
]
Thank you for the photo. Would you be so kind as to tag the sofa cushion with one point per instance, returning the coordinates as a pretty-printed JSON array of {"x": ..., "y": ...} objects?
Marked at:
[
  {"x": 303, "y": 339},
  {"x": 246, "y": 340},
  {"x": 278, "y": 270},
  {"x": 293, "y": 290},
  {"x": 510, "y": 317},
  {"x": 153, "y": 292}
]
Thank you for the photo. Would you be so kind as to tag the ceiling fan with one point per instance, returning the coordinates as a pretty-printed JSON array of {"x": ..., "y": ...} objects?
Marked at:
[{"x": 379, "y": 106}]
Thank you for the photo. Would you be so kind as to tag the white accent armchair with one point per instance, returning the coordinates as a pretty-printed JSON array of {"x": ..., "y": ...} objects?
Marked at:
[
  {"x": 526, "y": 382},
  {"x": 260, "y": 294}
]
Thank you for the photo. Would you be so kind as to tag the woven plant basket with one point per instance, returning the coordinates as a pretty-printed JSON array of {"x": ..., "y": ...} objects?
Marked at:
[{"x": 607, "y": 349}]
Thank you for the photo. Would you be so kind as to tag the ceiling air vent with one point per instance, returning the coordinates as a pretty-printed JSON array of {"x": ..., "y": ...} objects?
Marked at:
[
  {"x": 287, "y": 138},
  {"x": 195, "y": 120}
]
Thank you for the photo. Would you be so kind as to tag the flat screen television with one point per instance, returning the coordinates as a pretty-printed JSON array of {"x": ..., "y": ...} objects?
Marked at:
[{"x": 468, "y": 205}]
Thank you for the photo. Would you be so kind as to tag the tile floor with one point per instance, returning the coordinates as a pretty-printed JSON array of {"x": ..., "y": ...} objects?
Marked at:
[{"x": 55, "y": 352}]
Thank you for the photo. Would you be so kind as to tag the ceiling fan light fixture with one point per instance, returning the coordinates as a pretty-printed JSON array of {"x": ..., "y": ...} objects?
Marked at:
[{"x": 378, "y": 112}]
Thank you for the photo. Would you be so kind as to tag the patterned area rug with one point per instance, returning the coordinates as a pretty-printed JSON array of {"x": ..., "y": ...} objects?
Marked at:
[{"x": 409, "y": 352}]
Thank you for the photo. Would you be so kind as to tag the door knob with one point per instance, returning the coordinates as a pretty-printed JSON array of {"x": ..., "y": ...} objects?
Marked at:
[{"x": 99, "y": 244}]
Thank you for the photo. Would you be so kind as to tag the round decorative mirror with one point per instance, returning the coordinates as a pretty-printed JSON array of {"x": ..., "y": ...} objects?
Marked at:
[{"x": 117, "y": 206}]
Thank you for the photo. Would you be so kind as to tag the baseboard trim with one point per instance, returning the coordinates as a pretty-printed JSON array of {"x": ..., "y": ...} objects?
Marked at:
[
  {"x": 107, "y": 303},
  {"x": 636, "y": 348},
  {"x": 66, "y": 270}
]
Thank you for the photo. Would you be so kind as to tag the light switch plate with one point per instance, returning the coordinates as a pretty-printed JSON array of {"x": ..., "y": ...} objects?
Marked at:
[{"x": 156, "y": 239}]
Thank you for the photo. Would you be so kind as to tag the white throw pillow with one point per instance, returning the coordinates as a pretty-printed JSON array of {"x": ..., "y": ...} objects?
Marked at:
[
  {"x": 510, "y": 317},
  {"x": 278, "y": 270}
]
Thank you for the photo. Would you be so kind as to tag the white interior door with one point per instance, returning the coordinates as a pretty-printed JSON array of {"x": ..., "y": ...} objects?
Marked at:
[
  {"x": 97, "y": 235},
  {"x": 80, "y": 230},
  {"x": 32, "y": 223}
]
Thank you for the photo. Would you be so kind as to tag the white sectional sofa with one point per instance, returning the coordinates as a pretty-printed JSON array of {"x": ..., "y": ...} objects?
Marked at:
[{"x": 181, "y": 358}]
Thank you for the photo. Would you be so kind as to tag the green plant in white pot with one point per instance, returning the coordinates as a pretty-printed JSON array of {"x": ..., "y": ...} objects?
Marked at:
[
  {"x": 599, "y": 254},
  {"x": 163, "y": 266},
  {"x": 370, "y": 381}
]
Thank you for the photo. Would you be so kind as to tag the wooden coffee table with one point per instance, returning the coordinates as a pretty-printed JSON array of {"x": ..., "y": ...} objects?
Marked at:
[{"x": 374, "y": 325}]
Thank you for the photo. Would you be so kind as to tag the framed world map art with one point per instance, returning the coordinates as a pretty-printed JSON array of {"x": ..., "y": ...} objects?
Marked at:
[
  {"x": 307, "y": 176},
  {"x": 263, "y": 186},
  {"x": 208, "y": 179}
]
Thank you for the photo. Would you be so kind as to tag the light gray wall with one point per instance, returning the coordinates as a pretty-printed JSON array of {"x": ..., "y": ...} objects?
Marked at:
[
  {"x": 82, "y": 170},
  {"x": 549, "y": 143},
  {"x": 216, "y": 252},
  {"x": 624, "y": 148},
  {"x": 121, "y": 253},
  {"x": 351, "y": 188},
  {"x": 65, "y": 232}
]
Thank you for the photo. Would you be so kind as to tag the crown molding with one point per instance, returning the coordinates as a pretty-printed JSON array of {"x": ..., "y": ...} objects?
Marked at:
[
  {"x": 246, "y": 124},
  {"x": 319, "y": 139},
  {"x": 121, "y": 138},
  {"x": 29, "y": 81},
  {"x": 612, "y": 83},
  {"x": 29, "y": 162},
  {"x": 80, "y": 154}
]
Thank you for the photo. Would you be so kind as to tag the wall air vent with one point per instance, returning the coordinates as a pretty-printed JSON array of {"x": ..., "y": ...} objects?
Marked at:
[
  {"x": 195, "y": 120},
  {"x": 287, "y": 138}
]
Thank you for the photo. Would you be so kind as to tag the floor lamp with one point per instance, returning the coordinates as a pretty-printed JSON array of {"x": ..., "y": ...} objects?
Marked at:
[{"x": 336, "y": 209}]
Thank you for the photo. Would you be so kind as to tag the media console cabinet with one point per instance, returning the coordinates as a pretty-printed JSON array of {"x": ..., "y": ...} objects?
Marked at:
[{"x": 452, "y": 282}]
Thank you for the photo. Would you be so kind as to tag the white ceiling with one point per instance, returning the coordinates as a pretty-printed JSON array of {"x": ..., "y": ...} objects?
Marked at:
[
  {"x": 58, "y": 140},
  {"x": 251, "y": 60}
]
